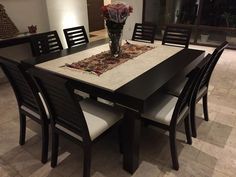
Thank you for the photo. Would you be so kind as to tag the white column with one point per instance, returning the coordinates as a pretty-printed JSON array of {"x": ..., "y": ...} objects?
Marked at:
[{"x": 66, "y": 14}]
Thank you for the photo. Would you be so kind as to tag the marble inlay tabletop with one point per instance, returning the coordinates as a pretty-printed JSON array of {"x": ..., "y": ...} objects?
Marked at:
[{"x": 116, "y": 77}]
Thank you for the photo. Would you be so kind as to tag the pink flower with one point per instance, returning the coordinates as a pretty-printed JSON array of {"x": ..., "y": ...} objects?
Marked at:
[{"x": 116, "y": 12}]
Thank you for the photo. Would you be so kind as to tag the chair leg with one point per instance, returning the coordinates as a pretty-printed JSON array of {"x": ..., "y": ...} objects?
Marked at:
[
  {"x": 192, "y": 119},
  {"x": 55, "y": 142},
  {"x": 87, "y": 161},
  {"x": 188, "y": 130},
  {"x": 205, "y": 107},
  {"x": 173, "y": 150},
  {"x": 22, "y": 129},
  {"x": 45, "y": 140}
]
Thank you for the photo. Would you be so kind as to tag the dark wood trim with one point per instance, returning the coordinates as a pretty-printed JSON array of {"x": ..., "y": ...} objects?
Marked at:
[
  {"x": 144, "y": 11},
  {"x": 15, "y": 41}
]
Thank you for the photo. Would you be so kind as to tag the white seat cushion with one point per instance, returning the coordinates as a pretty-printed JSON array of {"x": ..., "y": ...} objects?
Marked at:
[
  {"x": 161, "y": 109},
  {"x": 176, "y": 91},
  {"x": 36, "y": 115},
  {"x": 201, "y": 92},
  {"x": 80, "y": 93},
  {"x": 99, "y": 117}
]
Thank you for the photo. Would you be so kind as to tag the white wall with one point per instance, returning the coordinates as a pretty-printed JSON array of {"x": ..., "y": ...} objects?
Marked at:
[
  {"x": 64, "y": 14},
  {"x": 24, "y": 13},
  {"x": 107, "y": 2},
  {"x": 27, "y": 12},
  {"x": 135, "y": 17}
]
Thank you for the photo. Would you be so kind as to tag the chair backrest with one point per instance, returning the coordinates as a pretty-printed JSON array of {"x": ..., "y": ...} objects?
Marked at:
[
  {"x": 177, "y": 35},
  {"x": 25, "y": 90},
  {"x": 76, "y": 36},
  {"x": 144, "y": 32},
  {"x": 60, "y": 99},
  {"x": 212, "y": 63},
  {"x": 45, "y": 43},
  {"x": 186, "y": 94}
]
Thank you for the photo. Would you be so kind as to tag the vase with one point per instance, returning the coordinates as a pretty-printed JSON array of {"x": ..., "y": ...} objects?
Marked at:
[
  {"x": 115, "y": 40},
  {"x": 115, "y": 37}
]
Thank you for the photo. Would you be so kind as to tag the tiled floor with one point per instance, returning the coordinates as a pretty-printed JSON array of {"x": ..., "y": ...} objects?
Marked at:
[
  {"x": 97, "y": 35},
  {"x": 213, "y": 153}
]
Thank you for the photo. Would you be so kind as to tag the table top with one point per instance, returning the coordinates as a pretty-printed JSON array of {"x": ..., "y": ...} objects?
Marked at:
[
  {"x": 130, "y": 86},
  {"x": 117, "y": 77}
]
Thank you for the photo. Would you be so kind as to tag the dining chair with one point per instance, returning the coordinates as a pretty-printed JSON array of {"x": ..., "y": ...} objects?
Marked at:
[
  {"x": 176, "y": 35},
  {"x": 75, "y": 36},
  {"x": 144, "y": 32},
  {"x": 202, "y": 88},
  {"x": 45, "y": 43},
  {"x": 84, "y": 121},
  {"x": 29, "y": 101},
  {"x": 166, "y": 111}
]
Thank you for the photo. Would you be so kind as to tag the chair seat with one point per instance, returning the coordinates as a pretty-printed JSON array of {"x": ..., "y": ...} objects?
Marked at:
[
  {"x": 99, "y": 118},
  {"x": 201, "y": 92},
  {"x": 177, "y": 90},
  {"x": 30, "y": 111},
  {"x": 161, "y": 109}
]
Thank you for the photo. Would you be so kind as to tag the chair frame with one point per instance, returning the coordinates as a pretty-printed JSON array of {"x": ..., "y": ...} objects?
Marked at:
[
  {"x": 203, "y": 81},
  {"x": 174, "y": 35},
  {"x": 45, "y": 39},
  {"x": 149, "y": 36},
  {"x": 69, "y": 39},
  {"x": 43, "y": 121},
  {"x": 86, "y": 143},
  {"x": 182, "y": 103}
]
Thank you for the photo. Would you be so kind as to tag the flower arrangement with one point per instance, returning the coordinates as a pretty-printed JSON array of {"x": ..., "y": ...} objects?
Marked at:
[
  {"x": 116, "y": 12},
  {"x": 115, "y": 15}
]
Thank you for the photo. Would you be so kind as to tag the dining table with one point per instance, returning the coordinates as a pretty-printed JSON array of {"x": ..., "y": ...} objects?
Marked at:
[{"x": 129, "y": 85}]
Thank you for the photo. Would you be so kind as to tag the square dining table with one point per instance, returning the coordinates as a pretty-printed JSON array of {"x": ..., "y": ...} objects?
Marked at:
[{"x": 129, "y": 85}]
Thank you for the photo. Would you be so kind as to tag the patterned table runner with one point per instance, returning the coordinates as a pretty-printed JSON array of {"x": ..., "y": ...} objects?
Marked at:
[{"x": 102, "y": 62}]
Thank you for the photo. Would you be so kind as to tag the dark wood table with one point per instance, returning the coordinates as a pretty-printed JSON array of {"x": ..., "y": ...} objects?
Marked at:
[{"x": 133, "y": 95}]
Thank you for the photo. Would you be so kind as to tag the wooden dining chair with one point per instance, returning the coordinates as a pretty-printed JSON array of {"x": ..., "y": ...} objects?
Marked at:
[
  {"x": 29, "y": 101},
  {"x": 202, "y": 88},
  {"x": 176, "y": 35},
  {"x": 45, "y": 43},
  {"x": 166, "y": 111},
  {"x": 75, "y": 36},
  {"x": 144, "y": 32},
  {"x": 84, "y": 122}
]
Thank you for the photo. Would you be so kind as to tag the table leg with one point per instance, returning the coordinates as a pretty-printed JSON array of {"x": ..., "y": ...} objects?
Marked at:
[{"x": 131, "y": 137}]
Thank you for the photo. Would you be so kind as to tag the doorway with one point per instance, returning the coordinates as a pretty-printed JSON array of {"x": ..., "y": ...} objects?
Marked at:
[{"x": 96, "y": 21}]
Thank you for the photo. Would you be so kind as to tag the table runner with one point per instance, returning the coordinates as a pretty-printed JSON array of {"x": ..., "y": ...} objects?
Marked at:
[
  {"x": 118, "y": 76},
  {"x": 102, "y": 62}
]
